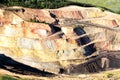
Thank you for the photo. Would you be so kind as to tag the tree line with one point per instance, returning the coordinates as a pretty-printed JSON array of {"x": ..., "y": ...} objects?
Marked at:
[{"x": 36, "y": 3}]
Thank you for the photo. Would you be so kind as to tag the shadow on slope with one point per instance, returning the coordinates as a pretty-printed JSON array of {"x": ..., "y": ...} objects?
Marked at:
[{"x": 11, "y": 65}]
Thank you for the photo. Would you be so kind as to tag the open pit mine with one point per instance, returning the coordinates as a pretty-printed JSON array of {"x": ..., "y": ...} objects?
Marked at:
[{"x": 66, "y": 40}]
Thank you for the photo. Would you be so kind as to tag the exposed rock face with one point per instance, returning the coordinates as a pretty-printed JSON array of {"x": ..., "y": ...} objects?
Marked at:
[
  {"x": 25, "y": 39},
  {"x": 76, "y": 12}
]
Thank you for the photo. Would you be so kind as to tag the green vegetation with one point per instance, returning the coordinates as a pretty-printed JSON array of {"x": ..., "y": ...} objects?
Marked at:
[
  {"x": 36, "y": 3},
  {"x": 6, "y": 77},
  {"x": 109, "y": 75},
  {"x": 111, "y": 5}
]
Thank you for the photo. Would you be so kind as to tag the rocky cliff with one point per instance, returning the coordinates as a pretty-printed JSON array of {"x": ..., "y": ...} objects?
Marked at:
[{"x": 39, "y": 37}]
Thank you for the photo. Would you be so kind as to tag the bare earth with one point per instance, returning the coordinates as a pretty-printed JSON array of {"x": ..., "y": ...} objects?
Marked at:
[{"x": 107, "y": 75}]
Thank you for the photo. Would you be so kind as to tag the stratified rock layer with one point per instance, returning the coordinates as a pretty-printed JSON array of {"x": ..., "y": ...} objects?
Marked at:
[{"x": 25, "y": 35}]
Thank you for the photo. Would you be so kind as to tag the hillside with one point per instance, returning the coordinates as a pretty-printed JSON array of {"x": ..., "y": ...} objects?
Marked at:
[
  {"x": 112, "y": 5},
  {"x": 70, "y": 42}
]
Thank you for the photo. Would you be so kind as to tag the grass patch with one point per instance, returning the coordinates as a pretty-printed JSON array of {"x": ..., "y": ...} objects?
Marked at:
[
  {"x": 112, "y": 5},
  {"x": 109, "y": 75},
  {"x": 7, "y": 77}
]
